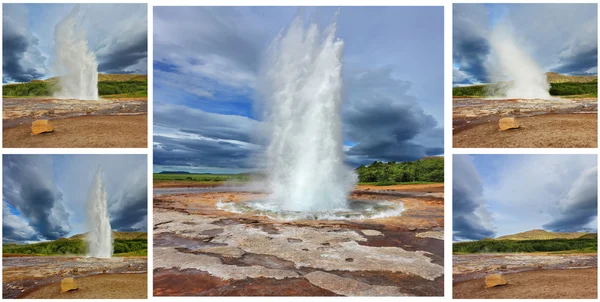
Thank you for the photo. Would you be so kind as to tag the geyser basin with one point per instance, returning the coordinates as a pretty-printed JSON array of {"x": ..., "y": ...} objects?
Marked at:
[{"x": 356, "y": 210}]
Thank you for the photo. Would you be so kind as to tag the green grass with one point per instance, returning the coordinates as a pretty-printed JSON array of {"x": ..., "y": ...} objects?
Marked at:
[
  {"x": 577, "y": 245},
  {"x": 201, "y": 177},
  {"x": 423, "y": 171},
  {"x": 109, "y": 89},
  {"x": 67, "y": 246},
  {"x": 571, "y": 89}
]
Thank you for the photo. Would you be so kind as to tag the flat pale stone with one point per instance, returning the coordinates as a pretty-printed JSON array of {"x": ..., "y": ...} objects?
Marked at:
[
  {"x": 431, "y": 234},
  {"x": 371, "y": 233},
  {"x": 350, "y": 287}
]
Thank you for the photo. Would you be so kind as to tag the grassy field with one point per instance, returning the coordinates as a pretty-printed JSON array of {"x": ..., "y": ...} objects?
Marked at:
[
  {"x": 158, "y": 177},
  {"x": 582, "y": 244},
  {"x": 125, "y": 244},
  {"x": 564, "y": 89},
  {"x": 109, "y": 86},
  {"x": 424, "y": 171}
]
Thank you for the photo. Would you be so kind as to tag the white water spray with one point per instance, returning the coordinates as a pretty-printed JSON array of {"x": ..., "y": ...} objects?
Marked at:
[
  {"x": 301, "y": 86},
  {"x": 99, "y": 237},
  {"x": 75, "y": 64},
  {"x": 527, "y": 79}
]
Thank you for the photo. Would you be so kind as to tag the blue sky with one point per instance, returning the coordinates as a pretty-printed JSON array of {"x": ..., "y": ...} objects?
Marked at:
[
  {"x": 45, "y": 196},
  {"x": 116, "y": 33},
  {"x": 206, "y": 65},
  {"x": 495, "y": 195},
  {"x": 560, "y": 37}
]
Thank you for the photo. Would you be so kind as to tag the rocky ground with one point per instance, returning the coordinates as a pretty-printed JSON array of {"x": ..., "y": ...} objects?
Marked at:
[
  {"x": 106, "y": 123},
  {"x": 558, "y": 123},
  {"x": 531, "y": 275},
  {"x": 23, "y": 277},
  {"x": 202, "y": 250}
]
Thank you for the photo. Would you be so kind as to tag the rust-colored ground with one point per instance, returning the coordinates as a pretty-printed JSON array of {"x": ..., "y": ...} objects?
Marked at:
[
  {"x": 574, "y": 130},
  {"x": 198, "y": 245},
  {"x": 110, "y": 131},
  {"x": 433, "y": 188},
  {"x": 103, "y": 286},
  {"x": 537, "y": 284}
]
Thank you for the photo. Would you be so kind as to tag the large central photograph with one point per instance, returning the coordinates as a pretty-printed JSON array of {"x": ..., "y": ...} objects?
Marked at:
[{"x": 298, "y": 151}]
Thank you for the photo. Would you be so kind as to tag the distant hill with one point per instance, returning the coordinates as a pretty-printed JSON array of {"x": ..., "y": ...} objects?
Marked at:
[
  {"x": 175, "y": 172},
  {"x": 106, "y": 77},
  {"x": 542, "y": 235},
  {"x": 125, "y": 244},
  {"x": 554, "y": 77},
  {"x": 116, "y": 235}
]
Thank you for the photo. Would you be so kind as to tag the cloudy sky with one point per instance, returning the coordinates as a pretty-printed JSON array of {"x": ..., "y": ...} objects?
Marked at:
[
  {"x": 116, "y": 33},
  {"x": 560, "y": 37},
  {"x": 45, "y": 196},
  {"x": 206, "y": 65},
  {"x": 495, "y": 195}
]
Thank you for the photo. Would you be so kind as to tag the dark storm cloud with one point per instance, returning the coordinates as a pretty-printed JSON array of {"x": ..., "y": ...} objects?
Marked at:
[
  {"x": 201, "y": 153},
  {"x": 470, "y": 46},
  {"x": 385, "y": 122},
  {"x": 202, "y": 139},
  {"x": 21, "y": 57},
  {"x": 28, "y": 187},
  {"x": 470, "y": 219},
  {"x": 580, "y": 206},
  {"x": 578, "y": 61},
  {"x": 132, "y": 211},
  {"x": 123, "y": 56}
]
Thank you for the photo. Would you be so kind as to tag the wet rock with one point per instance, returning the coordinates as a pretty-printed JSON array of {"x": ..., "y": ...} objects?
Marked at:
[
  {"x": 431, "y": 234},
  {"x": 68, "y": 284},
  {"x": 494, "y": 280},
  {"x": 228, "y": 251},
  {"x": 41, "y": 126},
  {"x": 507, "y": 123},
  {"x": 350, "y": 287},
  {"x": 372, "y": 233}
]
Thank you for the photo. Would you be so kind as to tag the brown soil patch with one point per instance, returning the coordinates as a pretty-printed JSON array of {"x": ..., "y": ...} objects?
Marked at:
[
  {"x": 538, "y": 284},
  {"x": 83, "y": 132},
  {"x": 103, "y": 286},
  {"x": 541, "y": 131},
  {"x": 197, "y": 283}
]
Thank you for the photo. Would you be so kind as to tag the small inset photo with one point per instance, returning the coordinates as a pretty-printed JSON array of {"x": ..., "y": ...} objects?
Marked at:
[
  {"x": 525, "y": 227},
  {"x": 525, "y": 75},
  {"x": 74, "y": 75},
  {"x": 74, "y": 227}
]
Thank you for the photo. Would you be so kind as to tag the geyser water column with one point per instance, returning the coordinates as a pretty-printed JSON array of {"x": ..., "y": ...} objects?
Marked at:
[
  {"x": 301, "y": 86},
  {"x": 99, "y": 236},
  {"x": 75, "y": 64},
  {"x": 528, "y": 80}
]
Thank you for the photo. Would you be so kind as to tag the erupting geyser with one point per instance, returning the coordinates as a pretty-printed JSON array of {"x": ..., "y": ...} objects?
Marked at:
[
  {"x": 75, "y": 64},
  {"x": 527, "y": 78},
  {"x": 301, "y": 87},
  {"x": 99, "y": 237}
]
